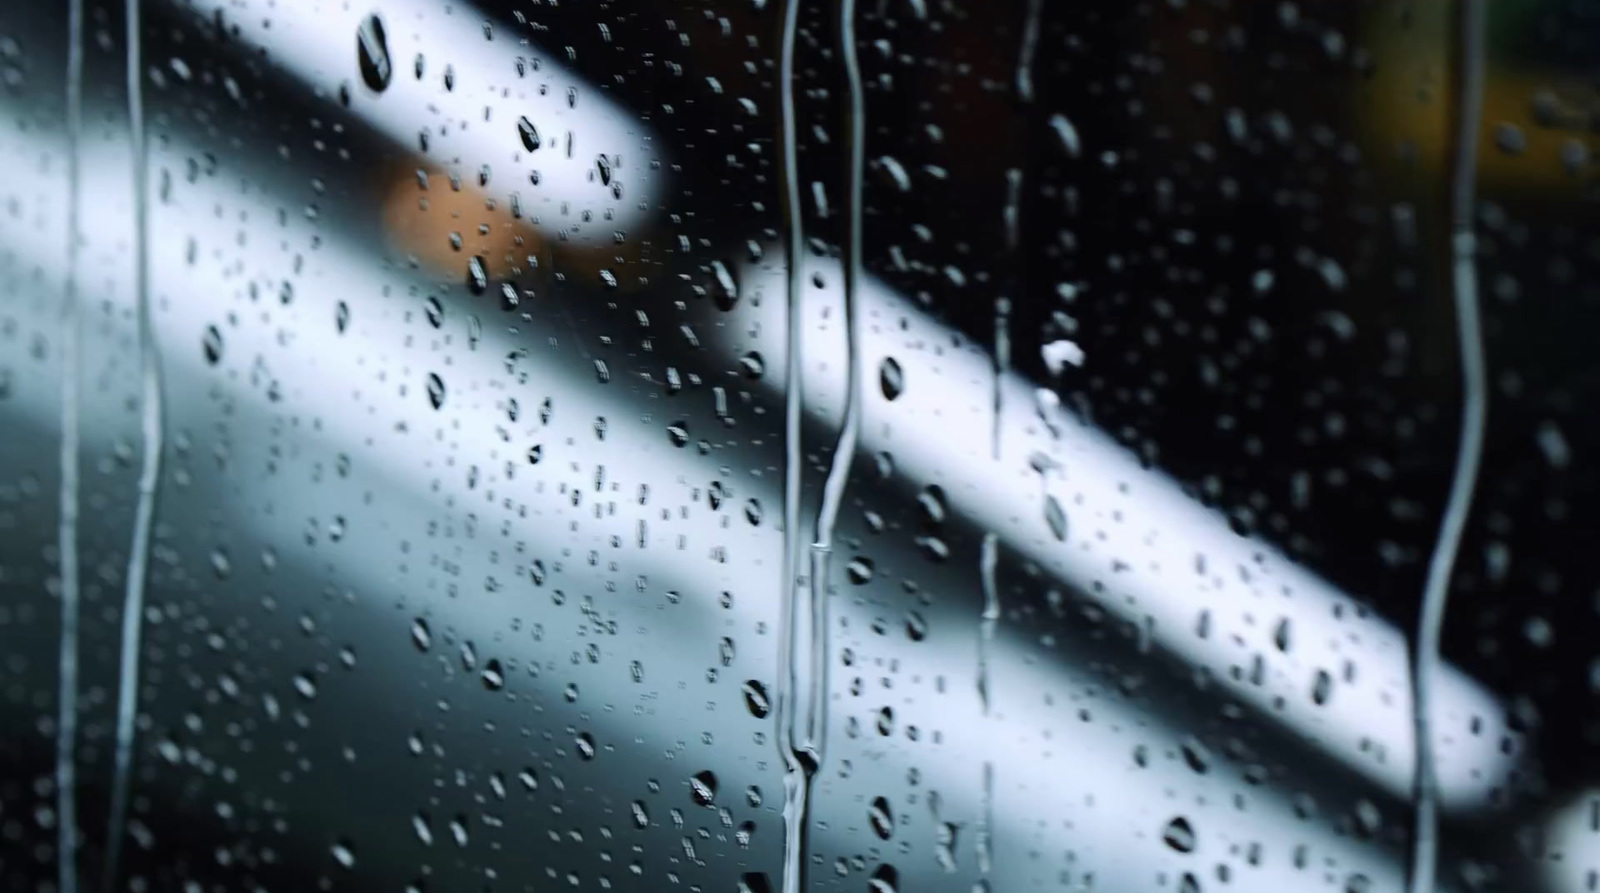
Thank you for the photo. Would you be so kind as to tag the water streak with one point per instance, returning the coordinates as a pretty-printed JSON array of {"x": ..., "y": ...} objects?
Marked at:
[
  {"x": 844, "y": 450},
  {"x": 1474, "y": 416},
  {"x": 150, "y": 473},
  {"x": 67, "y": 535},
  {"x": 798, "y": 770},
  {"x": 1030, "y": 46},
  {"x": 988, "y": 561}
]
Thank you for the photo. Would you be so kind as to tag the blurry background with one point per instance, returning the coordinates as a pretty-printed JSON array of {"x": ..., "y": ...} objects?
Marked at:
[{"x": 466, "y": 559}]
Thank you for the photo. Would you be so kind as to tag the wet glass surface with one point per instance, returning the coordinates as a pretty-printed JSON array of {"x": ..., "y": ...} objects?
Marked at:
[{"x": 787, "y": 445}]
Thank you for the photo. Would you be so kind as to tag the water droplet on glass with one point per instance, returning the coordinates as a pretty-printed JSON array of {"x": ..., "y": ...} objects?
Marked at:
[
  {"x": 891, "y": 380},
  {"x": 755, "y": 699},
  {"x": 678, "y": 432},
  {"x": 881, "y": 817},
  {"x": 1066, "y": 135},
  {"x": 212, "y": 344},
  {"x": 1179, "y": 835},
  {"x": 529, "y": 134},
  {"x": 435, "y": 390},
  {"x": 343, "y": 854},
  {"x": 1056, "y": 517},
  {"x": 1321, "y": 688},
  {"x": 703, "y": 787},
  {"x": 859, "y": 569},
  {"x": 1196, "y": 754},
  {"x": 493, "y": 677},
  {"x": 420, "y": 636},
  {"x": 477, "y": 275},
  {"x": 916, "y": 626},
  {"x": 932, "y": 502},
  {"x": 372, "y": 53},
  {"x": 726, "y": 294}
]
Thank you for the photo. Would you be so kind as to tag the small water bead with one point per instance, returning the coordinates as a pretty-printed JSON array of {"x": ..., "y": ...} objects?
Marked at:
[
  {"x": 1179, "y": 835},
  {"x": 435, "y": 390},
  {"x": 891, "y": 379},
  {"x": 881, "y": 817},
  {"x": 528, "y": 133},
  {"x": 703, "y": 787},
  {"x": 372, "y": 53},
  {"x": 755, "y": 699},
  {"x": 859, "y": 570},
  {"x": 211, "y": 344}
]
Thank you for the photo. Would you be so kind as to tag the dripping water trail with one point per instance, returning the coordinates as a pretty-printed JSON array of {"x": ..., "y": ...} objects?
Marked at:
[
  {"x": 1030, "y": 46},
  {"x": 988, "y": 561},
  {"x": 71, "y": 594},
  {"x": 1011, "y": 216},
  {"x": 798, "y": 769},
  {"x": 1474, "y": 415},
  {"x": 151, "y": 429},
  {"x": 844, "y": 449}
]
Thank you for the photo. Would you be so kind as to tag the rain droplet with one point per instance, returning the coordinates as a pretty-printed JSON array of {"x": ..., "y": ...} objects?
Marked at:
[
  {"x": 726, "y": 293},
  {"x": 931, "y": 500},
  {"x": 1196, "y": 754},
  {"x": 882, "y": 818},
  {"x": 343, "y": 854},
  {"x": 859, "y": 570},
  {"x": 1322, "y": 688},
  {"x": 1179, "y": 835},
  {"x": 886, "y": 721},
  {"x": 494, "y": 678},
  {"x": 529, "y": 134},
  {"x": 755, "y": 699},
  {"x": 477, "y": 275},
  {"x": 372, "y": 53},
  {"x": 420, "y": 636},
  {"x": 585, "y": 745},
  {"x": 884, "y": 880},
  {"x": 678, "y": 432},
  {"x": 916, "y": 626},
  {"x": 1066, "y": 135},
  {"x": 890, "y": 378},
  {"x": 435, "y": 390},
  {"x": 703, "y": 787},
  {"x": 212, "y": 344},
  {"x": 1056, "y": 517}
]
